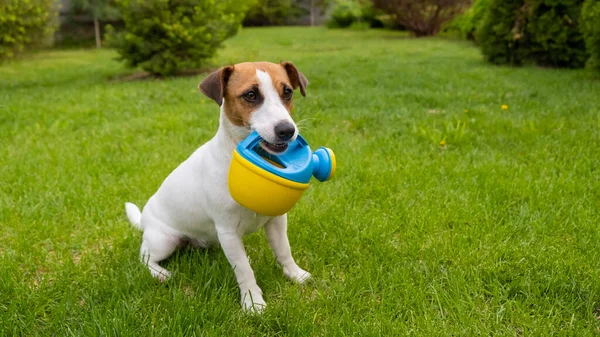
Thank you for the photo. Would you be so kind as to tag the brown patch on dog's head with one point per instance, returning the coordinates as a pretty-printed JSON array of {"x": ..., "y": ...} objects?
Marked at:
[
  {"x": 296, "y": 77},
  {"x": 238, "y": 87},
  {"x": 214, "y": 84}
]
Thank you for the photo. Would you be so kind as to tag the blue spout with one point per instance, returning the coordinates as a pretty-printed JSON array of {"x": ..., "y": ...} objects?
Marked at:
[{"x": 323, "y": 164}]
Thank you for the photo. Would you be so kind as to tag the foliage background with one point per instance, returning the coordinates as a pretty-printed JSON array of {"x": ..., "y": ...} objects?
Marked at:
[{"x": 25, "y": 23}]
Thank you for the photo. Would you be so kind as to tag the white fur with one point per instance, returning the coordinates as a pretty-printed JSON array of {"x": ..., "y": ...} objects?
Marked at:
[
  {"x": 193, "y": 204},
  {"x": 271, "y": 112},
  {"x": 133, "y": 214}
]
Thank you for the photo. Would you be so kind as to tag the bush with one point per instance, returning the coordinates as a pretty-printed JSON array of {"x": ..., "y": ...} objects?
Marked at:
[
  {"x": 554, "y": 34},
  {"x": 344, "y": 13},
  {"x": 269, "y": 13},
  {"x": 423, "y": 17},
  {"x": 501, "y": 32},
  {"x": 545, "y": 32},
  {"x": 464, "y": 25},
  {"x": 165, "y": 37},
  {"x": 356, "y": 14},
  {"x": 25, "y": 23},
  {"x": 590, "y": 26}
]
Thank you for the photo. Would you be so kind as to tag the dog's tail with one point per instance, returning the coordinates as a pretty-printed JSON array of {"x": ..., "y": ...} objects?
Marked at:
[{"x": 134, "y": 215}]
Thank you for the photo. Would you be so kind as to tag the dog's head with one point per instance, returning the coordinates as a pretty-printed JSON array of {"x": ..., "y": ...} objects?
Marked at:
[{"x": 258, "y": 96}]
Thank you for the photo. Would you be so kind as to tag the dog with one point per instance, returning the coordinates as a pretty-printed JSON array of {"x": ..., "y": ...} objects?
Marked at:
[{"x": 193, "y": 204}]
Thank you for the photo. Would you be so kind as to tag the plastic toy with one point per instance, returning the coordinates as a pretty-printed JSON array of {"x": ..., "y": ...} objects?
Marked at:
[{"x": 272, "y": 184}]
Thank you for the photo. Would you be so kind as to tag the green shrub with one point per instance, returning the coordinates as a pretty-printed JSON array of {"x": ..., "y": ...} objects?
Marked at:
[
  {"x": 590, "y": 26},
  {"x": 343, "y": 13},
  {"x": 544, "y": 32},
  {"x": 465, "y": 24},
  {"x": 356, "y": 14},
  {"x": 375, "y": 17},
  {"x": 25, "y": 23},
  {"x": 554, "y": 34},
  {"x": 360, "y": 25},
  {"x": 269, "y": 13},
  {"x": 165, "y": 37},
  {"x": 501, "y": 32}
]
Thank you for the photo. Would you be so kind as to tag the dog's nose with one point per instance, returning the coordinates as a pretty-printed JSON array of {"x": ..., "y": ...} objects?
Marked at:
[{"x": 285, "y": 130}]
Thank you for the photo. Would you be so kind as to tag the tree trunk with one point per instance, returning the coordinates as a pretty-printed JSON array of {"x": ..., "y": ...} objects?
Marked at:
[
  {"x": 312, "y": 13},
  {"x": 97, "y": 31}
]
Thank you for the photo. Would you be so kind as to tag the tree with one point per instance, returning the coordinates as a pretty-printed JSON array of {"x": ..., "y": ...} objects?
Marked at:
[
  {"x": 99, "y": 10},
  {"x": 423, "y": 17},
  {"x": 316, "y": 6}
]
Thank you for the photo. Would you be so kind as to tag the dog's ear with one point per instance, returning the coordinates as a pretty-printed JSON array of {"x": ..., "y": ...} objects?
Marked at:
[
  {"x": 213, "y": 86},
  {"x": 296, "y": 77}
]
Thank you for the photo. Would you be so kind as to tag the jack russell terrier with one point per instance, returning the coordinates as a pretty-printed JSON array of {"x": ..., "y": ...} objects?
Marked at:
[{"x": 193, "y": 204}]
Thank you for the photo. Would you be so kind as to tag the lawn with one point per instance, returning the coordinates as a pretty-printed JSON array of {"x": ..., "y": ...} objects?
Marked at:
[{"x": 448, "y": 215}]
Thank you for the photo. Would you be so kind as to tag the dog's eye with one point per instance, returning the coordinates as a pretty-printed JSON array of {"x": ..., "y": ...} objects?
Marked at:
[
  {"x": 250, "y": 96},
  {"x": 287, "y": 93}
]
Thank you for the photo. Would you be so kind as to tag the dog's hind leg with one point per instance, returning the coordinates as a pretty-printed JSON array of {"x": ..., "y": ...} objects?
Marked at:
[{"x": 156, "y": 247}]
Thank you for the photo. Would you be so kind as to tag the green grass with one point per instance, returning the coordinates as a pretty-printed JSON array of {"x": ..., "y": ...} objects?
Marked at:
[{"x": 447, "y": 216}]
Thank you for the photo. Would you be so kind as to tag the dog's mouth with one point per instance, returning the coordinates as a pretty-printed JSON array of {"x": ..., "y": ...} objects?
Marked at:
[{"x": 274, "y": 147}]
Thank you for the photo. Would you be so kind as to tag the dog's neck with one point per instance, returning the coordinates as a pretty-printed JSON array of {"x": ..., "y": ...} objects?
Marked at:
[{"x": 229, "y": 135}]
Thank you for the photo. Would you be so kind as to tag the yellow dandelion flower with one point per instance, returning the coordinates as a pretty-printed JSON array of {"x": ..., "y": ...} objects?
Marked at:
[
  {"x": 443, "y": 142},
  {"x": 504, "y": 107}
]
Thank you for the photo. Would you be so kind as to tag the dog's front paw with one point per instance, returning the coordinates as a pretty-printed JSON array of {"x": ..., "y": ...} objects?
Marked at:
[
  {"x": 160, "y": 274},
  {"x": 252, "y": 301},
  {"x": 297, "y": 274}
]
